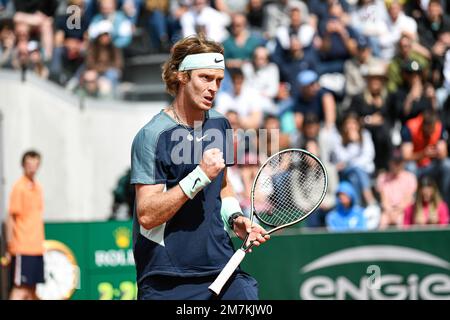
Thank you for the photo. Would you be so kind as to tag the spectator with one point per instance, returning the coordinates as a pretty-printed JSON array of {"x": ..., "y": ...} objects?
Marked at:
[
  {"x": 407, "y": 51},
  {"x": 348, "y": 215},
  {"x": 277, "y": 14},
  {"x": 372, "y": 108},
  {"x": 353, "y": 154},
  {"x": 70, "y": 45},
  {"x": 244, "y": 100},
  {"x": 412, "y": 98},
  {"x": 337, "y": 41},
  {"x": 296, "y": 28},
  {"x": 317, "y": 219},
  {"x": 429, "y": 207},
  {"x": 263, "y": 76},
  {"x": 37, "y": 14},
  {"x": 88, "y": 84},
  {"x": 353, "y": 68},
  {"x": 396, "y": 188},
  {"x": 240, "y": 44},
  {"x": 255, "y": 16},
  {"x": 424, "y": 146},
  {"x": 123, "y": 195},
  {"x": 398, "y": 24},
  {"x": 159, "y": 24},
  {"x": 369, "y": 19},
  {"x": 313, "y": 99},
  {"x": 25, "y": 230},
  {"x": 121, "y": 26},
  {"x": 294, "y": 60},
  {"x": 105, "y": 59},
  {"x": 433, "y": 24},
  {"x": 36, "y": 63},
  {"x": 202, "y": 18},
  {"x": 7, "y": 42},
  {"x": 276, "y": 140}
]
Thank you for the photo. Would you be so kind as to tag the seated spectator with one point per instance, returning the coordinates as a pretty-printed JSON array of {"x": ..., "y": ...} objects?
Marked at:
[
  {"x": 121, "y": 26},
  {"x": 317, "y": 219},
  {"x": 348, "y": 215},
  {"x": 255, "y": 16},
  {"x": 397, "y": 23},
  {"x": 37, "y": 14},
  {"x": 7, "y": 43},
  {"x": 294, "y": 60},
  {"x": 433, "y": 24},
  {"x": 353, "y": 69},
  {"x": 337, "y": 40},
  {"x": 407, "y": 50},
  {"x": 424, "y": 146},
  {"x": 202, "y": 18},
  {"x": 411, "y": 98},
  {"x": 244, "y": 100},
  {"x": 35, "y": 60},
  {"x": 263, "y": 76},
  {"x": 159, "y": 24},
  {"x": 297, "y": 28},
  {"x": 372, "y": 108},
  {"x": 240, "y": 44},
  {"x": 70, "y": 45},
  {"x": 105, "y": 59},
  {"x": 123, "y": 198},
  {"x": 369, "y": 19},
  {"x": 277, "y": 14},
  {"x": 429, "y": 207},
  {"x": 312, "y": 98},
  {"x": 88, "y": 84},
  {"x": 275, "y": 139},
  {"x": 396, "y": 188},
  {"x": 353, "y": 154}
]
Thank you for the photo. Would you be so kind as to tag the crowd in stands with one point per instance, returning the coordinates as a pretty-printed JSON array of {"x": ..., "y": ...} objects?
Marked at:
[{"x": 364, "y": 84}]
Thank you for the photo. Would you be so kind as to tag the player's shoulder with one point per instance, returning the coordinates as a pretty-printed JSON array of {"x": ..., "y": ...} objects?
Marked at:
[
  {"x": 214, "y": 114},
  {"x": 151, "y": 131}
]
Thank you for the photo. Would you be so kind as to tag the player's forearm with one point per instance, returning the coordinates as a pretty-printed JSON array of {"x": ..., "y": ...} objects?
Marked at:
[
  {"x": 159, "y": 208},
  {"x": 9, "y": 226}
]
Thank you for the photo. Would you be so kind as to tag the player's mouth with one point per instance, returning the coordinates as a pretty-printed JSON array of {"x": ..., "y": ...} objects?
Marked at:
[{"x": 208, "y": 100}]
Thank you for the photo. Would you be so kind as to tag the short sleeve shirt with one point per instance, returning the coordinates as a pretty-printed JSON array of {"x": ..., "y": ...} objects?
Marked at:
[{"x": 193, "y": 242}]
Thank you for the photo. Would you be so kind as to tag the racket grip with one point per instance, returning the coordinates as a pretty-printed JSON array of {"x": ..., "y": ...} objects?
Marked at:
[{"x": 227, "y": 271}]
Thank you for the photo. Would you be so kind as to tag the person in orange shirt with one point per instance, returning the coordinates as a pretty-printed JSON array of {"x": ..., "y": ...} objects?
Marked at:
[{"x": 25, "y": 231}]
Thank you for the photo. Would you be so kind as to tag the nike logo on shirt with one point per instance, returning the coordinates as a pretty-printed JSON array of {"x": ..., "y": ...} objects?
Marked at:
[{"x": 201, "y": 138}]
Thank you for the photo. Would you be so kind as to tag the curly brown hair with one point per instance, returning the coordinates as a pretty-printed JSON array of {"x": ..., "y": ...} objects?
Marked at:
[{"x": 190, "y": 45}]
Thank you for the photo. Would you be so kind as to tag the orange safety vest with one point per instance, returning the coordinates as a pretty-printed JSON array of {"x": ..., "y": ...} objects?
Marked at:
[{"x": 419, "y": 141}]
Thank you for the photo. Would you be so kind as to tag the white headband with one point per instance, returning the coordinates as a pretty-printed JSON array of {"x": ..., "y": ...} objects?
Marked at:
[{"x": 210, "y": 60}]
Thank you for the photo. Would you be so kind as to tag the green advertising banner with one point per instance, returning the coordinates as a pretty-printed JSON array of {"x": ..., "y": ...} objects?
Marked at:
[
  {"x": 95, "y": 261},
  {"x": 103, "y": 255},
  {"x": 372, "y": 265}
]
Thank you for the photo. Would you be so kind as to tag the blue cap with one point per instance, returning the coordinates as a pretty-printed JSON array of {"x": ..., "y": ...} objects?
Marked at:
[{"x": 307, "y": 77}]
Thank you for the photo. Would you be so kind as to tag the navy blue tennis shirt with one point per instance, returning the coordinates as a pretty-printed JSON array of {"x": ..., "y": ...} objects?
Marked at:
[{"x": 193, "y": 242}]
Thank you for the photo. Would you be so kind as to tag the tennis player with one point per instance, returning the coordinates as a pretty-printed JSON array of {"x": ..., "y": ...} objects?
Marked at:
[{"x": 183, "y": 201}]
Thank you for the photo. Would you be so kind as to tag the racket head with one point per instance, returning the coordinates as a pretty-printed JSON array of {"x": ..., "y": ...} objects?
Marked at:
[{"x": 288, "y": 187}]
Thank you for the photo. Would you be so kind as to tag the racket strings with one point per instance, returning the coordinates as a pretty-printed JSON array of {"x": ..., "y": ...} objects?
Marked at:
[{"x": 288, "y": 188}]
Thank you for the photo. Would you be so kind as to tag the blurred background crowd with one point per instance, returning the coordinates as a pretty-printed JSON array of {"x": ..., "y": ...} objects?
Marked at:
[{"x": 363, "y": 84}]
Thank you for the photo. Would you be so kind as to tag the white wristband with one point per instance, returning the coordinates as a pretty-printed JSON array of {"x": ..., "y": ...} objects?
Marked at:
[
  {"x": 194, "y": 182},
  {"x": 230, "y": 206}
]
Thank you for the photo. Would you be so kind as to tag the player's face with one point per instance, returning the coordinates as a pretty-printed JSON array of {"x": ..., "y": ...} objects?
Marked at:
[{"x": 203, "y": 86}]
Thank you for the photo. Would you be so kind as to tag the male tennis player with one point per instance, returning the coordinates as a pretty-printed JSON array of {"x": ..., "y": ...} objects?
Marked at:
[{"x": 183, "y": 201}]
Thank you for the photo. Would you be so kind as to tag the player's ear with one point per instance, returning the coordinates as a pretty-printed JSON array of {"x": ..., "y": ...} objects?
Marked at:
[{"x": 183, "y": 77}]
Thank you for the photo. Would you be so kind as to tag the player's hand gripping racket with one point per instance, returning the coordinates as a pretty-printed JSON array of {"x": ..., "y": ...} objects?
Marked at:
[{"x": 288, "y": 187}]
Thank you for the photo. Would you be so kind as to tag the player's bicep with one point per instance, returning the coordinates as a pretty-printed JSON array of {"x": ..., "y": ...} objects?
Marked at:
[{"x": 144, "y": 192}]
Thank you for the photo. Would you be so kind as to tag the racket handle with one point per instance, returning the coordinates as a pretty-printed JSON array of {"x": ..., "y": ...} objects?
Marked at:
[{"x": 227, "y": 271}]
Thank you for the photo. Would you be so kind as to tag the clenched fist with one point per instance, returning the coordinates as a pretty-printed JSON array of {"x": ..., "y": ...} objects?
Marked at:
[{"x": 212, "y": 163}]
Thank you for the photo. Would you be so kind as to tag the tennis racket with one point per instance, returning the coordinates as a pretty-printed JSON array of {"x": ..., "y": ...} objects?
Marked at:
[{"x": 287, "y": 188}]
